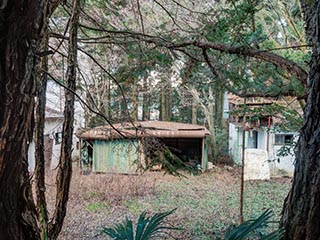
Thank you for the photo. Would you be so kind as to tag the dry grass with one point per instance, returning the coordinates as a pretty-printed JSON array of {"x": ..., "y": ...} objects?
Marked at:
[
  {"x": 206, "y": 204},
  {"x": 94, "y": 197}
]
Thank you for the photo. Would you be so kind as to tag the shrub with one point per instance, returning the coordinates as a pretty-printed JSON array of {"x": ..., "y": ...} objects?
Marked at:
[
  {"x": 146, "y": 228},
  {"x": 251, "y": 229}
]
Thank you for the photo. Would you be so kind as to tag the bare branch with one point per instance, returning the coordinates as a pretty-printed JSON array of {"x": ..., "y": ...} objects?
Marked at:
[
  {"x": 97, "y": 112},
  {"x": 141, "y": 17},
  {"x": 112, "y": 77}
]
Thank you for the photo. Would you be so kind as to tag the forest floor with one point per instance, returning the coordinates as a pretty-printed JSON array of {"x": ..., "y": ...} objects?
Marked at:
[{"x": 206, "y": 204}]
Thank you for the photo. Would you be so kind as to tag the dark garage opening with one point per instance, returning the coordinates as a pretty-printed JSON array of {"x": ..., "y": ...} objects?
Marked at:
[{"x": 189, "y": 150}]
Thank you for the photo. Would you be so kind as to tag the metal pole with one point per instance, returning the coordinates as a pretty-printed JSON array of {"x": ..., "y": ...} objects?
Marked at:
[{"x": 242, "y": 161}]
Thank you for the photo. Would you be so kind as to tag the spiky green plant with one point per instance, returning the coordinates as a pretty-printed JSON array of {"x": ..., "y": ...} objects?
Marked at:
[
  {"x": 250, "y": 229},
  {"x": 146, "y": 228}
]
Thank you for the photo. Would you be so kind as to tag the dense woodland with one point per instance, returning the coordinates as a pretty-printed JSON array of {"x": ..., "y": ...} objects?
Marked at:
[{"x": 140, "y": 60}]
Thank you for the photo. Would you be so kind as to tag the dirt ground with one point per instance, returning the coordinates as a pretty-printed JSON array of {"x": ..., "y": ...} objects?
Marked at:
[
  {"x": 206, "y": 203},
  {"x": 95, "y": 200}
]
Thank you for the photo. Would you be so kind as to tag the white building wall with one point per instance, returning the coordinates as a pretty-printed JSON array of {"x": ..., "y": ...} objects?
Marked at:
[
  {"x": 53, "y": 125},
  {"x": 235, "y": 142},
  {"x": 279, "y": 166}
]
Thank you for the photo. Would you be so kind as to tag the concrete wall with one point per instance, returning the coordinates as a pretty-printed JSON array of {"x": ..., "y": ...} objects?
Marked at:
[{"x": 256, "y": 165}]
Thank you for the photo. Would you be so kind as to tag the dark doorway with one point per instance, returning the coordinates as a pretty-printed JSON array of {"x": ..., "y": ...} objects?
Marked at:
[{"x": 189, "y": 150}]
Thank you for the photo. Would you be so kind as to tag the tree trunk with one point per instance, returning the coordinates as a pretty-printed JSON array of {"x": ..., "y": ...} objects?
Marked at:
[
  {"x": 219, "y": 97},
  {"x": 168, "y": 96},
  {"x": 107, "y": 99},
  {"x": 21, "y": 25},
  {"x": 146, "y": 100},
  {"x": 163, "y": 105},
  {"x": 65, "y": 164},
  {"x": 134, "y": 112},
  {"x": 194, "y": 110},
  {"x": 301, "y": 214},
  {"x": 211, "y": 128},
  {"x": 41, "y": 83},
  {"x": 166, "y": 101}
]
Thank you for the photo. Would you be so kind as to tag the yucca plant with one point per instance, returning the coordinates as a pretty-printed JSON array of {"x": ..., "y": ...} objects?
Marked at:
[
  {"x": 146, "y": 228},
  {"x": 251, "y": 229}
]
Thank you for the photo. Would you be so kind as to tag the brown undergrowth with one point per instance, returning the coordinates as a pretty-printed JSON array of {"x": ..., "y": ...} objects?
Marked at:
[{"x": 206, "y": 204}]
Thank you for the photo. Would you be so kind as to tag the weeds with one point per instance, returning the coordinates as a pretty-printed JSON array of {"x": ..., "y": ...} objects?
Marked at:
[
  {"x": 97, "y": 206},
  {"x": 207, "y": 204}
]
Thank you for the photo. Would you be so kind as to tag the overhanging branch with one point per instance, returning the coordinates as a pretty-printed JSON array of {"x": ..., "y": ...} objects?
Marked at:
[{"x": 286, "y": 64}]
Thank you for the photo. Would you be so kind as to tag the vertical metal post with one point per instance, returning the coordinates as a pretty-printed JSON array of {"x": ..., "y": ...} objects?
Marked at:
[
  {"x": 242, "y": 161},
  {"x": 268, "y": 134}
]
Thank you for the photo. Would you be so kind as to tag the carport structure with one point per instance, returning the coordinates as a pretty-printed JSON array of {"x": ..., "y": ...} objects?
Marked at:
[{"x": 119, "y": 148}]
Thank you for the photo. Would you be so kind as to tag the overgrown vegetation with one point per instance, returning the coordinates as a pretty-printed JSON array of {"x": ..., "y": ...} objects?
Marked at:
[
  {"x": 206, "y": 204},
  {"x": 159, "y": 156},
  {"x": 254, "y": 229},
  {"x": 152, "y": 227},
  {"x": 146, "y": 227}
]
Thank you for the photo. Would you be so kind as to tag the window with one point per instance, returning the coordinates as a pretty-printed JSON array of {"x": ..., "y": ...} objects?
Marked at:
[
  {"x": 58, "y": 137},
  {"x": 253, "y": 139},
  {"x": 281, "y": 139}
]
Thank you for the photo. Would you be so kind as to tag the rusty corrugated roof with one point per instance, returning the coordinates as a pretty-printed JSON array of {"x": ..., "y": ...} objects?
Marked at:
[{"x": 159, "y": 129}]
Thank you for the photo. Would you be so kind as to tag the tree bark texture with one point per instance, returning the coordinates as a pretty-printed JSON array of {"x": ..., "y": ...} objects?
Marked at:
[
  {"x": 21, "y": 25},
  {"x": 65, "y": 165},
  {"x": 212, "y": 128},
  {"x": 41, "y": 85},
  {"x": 218, "y": 104},
  {"x": 301, "y": 214},
  {"x": 146, "y": 100}
]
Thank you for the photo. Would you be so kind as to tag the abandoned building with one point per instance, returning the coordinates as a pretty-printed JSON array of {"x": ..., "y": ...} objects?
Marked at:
[{"x": 123, "y": 147}]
